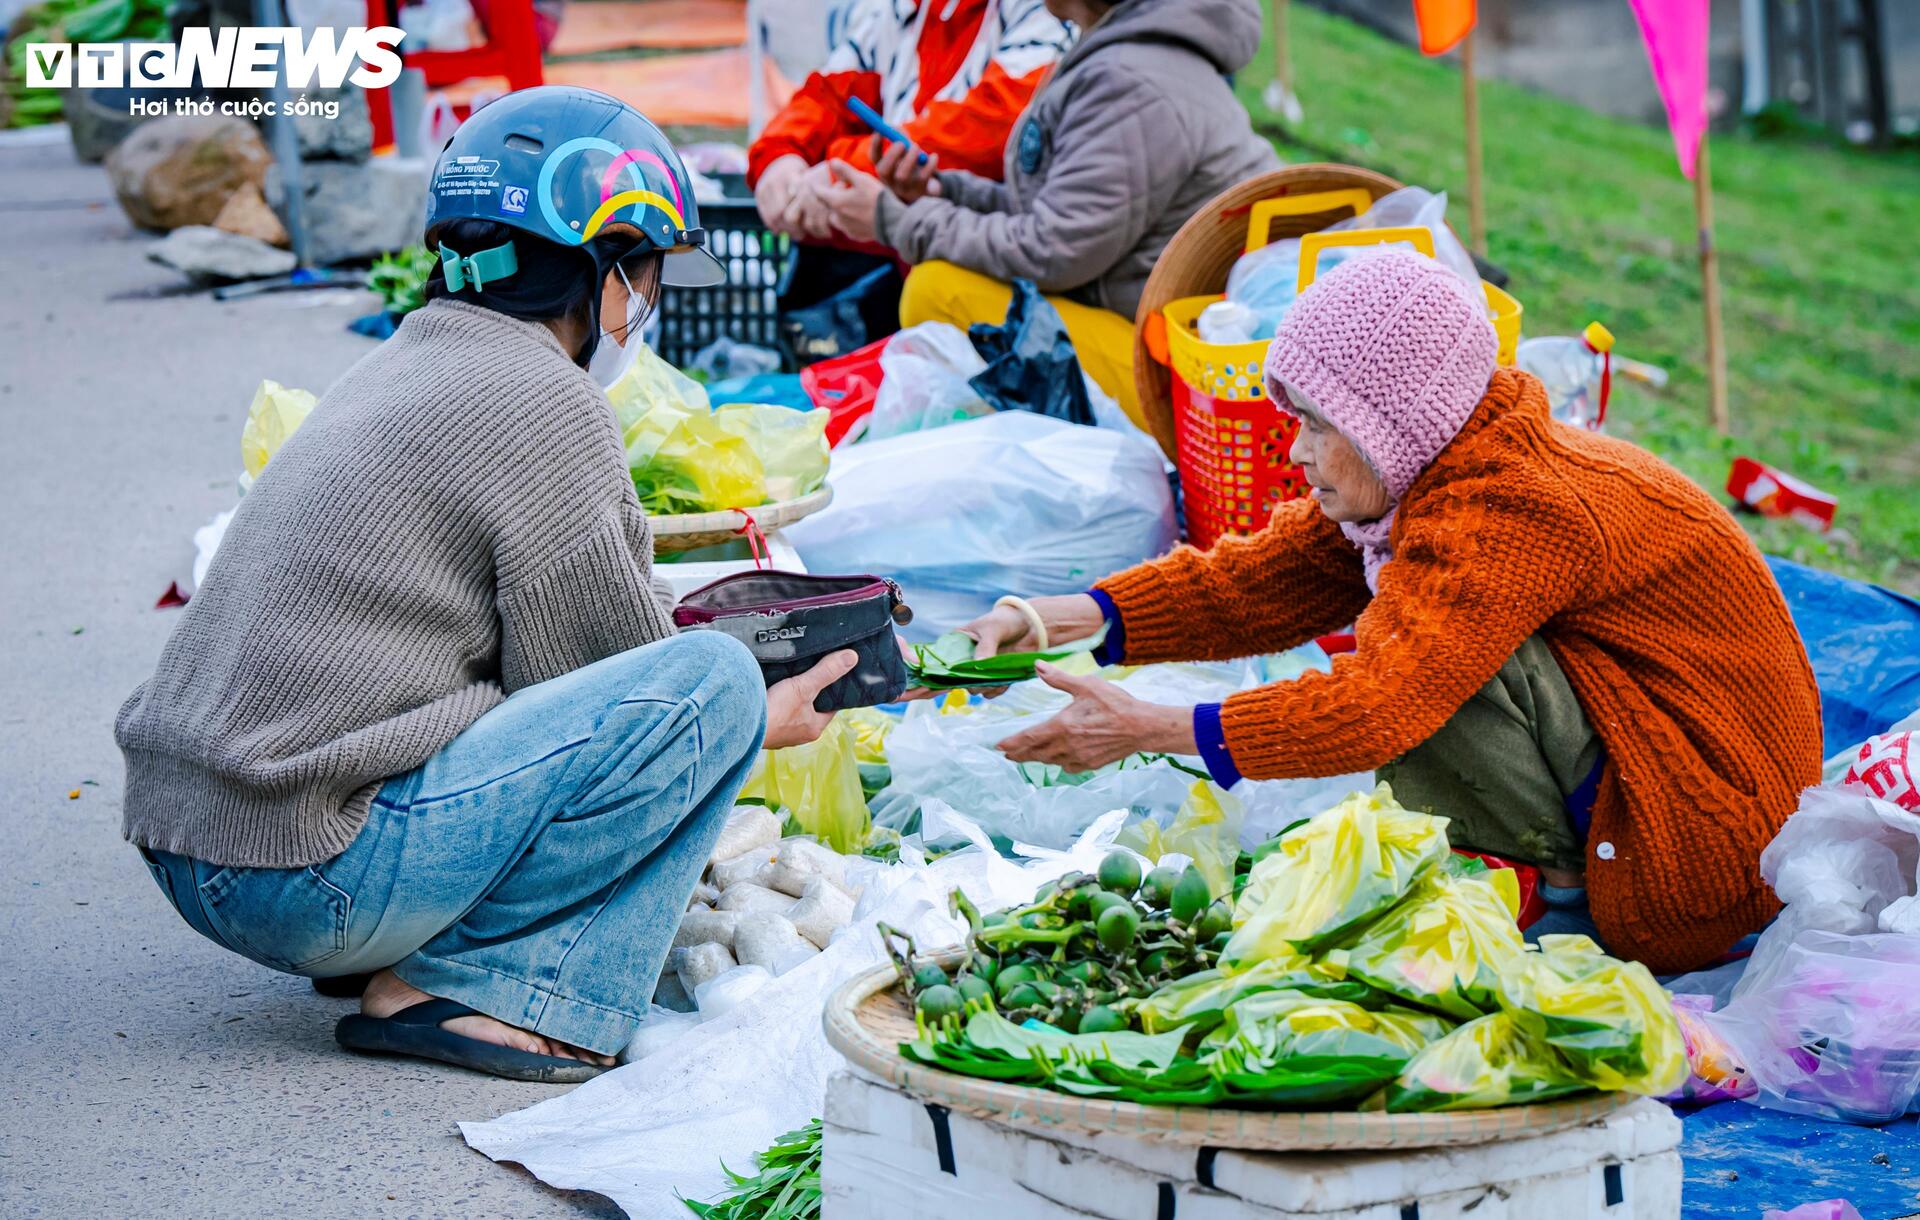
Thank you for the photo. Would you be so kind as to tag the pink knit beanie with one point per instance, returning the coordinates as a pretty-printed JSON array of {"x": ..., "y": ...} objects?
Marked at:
[{"x": 1395, "y": 351}]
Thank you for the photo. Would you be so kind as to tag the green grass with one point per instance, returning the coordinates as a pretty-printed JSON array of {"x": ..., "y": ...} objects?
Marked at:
[{"x": 1592, "y": 219}]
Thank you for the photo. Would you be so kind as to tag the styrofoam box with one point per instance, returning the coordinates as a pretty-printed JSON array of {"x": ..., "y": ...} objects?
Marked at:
[{"x": 881, "y": 1162}]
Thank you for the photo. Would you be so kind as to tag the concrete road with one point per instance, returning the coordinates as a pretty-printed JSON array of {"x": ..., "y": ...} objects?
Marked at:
[{"x": 143, "y": 1071}]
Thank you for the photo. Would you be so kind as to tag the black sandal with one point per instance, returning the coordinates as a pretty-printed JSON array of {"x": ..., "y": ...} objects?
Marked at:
[
  {"x": 416, "y": 1031},
  {"x": 342, "y": 986}
]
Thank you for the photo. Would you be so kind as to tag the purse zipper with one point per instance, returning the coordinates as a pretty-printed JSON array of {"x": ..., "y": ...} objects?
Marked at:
[{"x": 700, "y": 614}]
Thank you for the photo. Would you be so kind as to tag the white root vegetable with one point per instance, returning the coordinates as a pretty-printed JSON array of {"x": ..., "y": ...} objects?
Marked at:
[
  {"x": 824, "y": 909},
  {"x": 798, "y": 861},
  {"x": 747, "y": 896},
  {"x": 748, "y": 827},
  {"x": 769, "y": 940},
  {"x": 707, "y": 927},
  {"x": 699, "y": 963},
  {"x": 749, "y": 867}
]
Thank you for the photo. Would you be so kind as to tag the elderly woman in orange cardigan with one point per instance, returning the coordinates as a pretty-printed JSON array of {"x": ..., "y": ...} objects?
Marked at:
[{"x": 1564, "y": 645}]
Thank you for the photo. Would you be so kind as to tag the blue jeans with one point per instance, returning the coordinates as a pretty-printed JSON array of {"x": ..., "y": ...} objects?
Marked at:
[{"x": 536, "y": 867}]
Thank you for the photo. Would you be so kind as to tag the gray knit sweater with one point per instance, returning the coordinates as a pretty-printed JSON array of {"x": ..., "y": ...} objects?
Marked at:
[{"x": 453, "y": 522}]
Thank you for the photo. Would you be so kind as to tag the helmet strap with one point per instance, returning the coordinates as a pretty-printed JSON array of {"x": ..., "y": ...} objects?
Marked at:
[{"x": 498, "y": 263}]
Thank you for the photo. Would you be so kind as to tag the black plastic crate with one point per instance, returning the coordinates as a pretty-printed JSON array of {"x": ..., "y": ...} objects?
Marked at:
[{"x": 744, "y": 307}]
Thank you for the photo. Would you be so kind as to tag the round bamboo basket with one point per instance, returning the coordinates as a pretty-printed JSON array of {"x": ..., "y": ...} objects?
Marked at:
[
  {"x": 868, "y": 1017},
  {"x": 690, "y": 531},
  {"x": 1198, "y": 258}
]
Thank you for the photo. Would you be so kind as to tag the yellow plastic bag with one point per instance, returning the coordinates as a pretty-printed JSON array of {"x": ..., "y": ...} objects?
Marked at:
[
  {"x": 1607, "y": 1018},
  {"x": 1445, "y": 946},
  {"x": 1198, "y": 1001},
  {"x": 871, "y": 727},
  {"x": 1296, "y": 1051},
  {"x": 274, "y": 415},
  {"x": 683, "y": 460},
  {"x": 791, "y": 445},
  {"x": 1206, "y": 828},
  {"x": 819, "y": 784},
  {"x": 1332, "y": 874},
  {"x": 1484, "y": 1063},
  {"x": 651, "y": 382}
]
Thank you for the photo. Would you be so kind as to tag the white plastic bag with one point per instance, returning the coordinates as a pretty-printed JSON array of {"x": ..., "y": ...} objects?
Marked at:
[
  {"x": 953, "y": 759},
  {"x": 1839, "y": 863},
  {"x": 1829, "y": 1025},
  {"x": 1266, "y": 280},
  {"x": 925, "y": 374},
  {"x": 659, "y": 1128},
  {"x": 1009, "y": 503}
]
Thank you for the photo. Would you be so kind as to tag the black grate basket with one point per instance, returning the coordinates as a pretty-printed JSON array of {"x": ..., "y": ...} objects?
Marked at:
[{"x": 743, "y": 308}]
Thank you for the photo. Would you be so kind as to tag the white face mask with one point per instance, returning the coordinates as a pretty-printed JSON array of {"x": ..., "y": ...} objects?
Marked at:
[{"x": 611, "y": 358}]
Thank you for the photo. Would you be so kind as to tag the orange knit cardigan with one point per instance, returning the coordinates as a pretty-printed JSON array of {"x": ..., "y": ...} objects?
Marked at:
[{"x": 1662, "y": 613}]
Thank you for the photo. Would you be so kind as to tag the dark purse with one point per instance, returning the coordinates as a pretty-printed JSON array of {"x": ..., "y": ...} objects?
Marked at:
[{"x": 790, "y": 620}]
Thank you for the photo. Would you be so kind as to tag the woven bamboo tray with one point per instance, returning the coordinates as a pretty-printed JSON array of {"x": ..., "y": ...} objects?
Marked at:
[
  {"x": 691, "y": 531},
  {"x": 868, "y": 1017},
  {"x": 1198, "y": 258}
]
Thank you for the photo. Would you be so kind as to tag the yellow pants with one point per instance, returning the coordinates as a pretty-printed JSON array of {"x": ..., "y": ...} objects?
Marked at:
[{"x": 943, "y": 292}]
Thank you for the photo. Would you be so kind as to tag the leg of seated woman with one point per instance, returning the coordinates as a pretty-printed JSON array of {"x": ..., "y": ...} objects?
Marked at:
[
  {"x": 1502, "y": 769},
  {"x": 536, "y": 868},
  {"x": 1103, "y": 340}
]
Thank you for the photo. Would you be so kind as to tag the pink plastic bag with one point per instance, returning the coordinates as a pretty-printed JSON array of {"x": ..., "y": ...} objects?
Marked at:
[{"x": 1826, "y": 1209}]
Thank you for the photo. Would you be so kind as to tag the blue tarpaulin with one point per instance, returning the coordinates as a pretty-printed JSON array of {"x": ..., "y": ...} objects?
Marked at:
[
  {"x": 1864, "y": 642},
  {"x": 1741, "y": 1160}
]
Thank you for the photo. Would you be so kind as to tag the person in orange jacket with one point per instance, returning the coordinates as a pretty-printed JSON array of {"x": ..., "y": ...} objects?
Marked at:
[{"x": 953, "y": 75}]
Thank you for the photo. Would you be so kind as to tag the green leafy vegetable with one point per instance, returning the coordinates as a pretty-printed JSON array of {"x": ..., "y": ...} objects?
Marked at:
[
  {"x": 948, "y": 663},
  {"x": 400, "y": 277},
  {"x": 786, "y": 1188}
]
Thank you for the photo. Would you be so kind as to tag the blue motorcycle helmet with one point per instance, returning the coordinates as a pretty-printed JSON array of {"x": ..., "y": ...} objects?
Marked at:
[{"x": 574, "y": 167}]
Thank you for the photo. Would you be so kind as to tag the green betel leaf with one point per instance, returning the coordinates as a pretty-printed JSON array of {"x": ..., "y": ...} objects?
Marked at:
[{"x": 949, "y": 663}]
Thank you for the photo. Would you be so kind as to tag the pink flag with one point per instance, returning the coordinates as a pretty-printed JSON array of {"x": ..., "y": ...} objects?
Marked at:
[{"x": 1676, "y": 37}]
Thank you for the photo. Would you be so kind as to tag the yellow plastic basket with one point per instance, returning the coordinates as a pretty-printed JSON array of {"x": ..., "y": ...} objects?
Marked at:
[{"x": 1230, "y": 443}]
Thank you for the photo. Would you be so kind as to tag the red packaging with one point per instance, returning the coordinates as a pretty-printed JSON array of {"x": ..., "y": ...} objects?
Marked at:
[
  {"x": 1532, "y": 904},
  {"x": 845, "y": 386},
  {"x": 1775, "y": 493},
  {"x": 1885, "y": 767}
]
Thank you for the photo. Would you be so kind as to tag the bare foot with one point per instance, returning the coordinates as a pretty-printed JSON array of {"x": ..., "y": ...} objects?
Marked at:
[{"x": 387, "y": 993}]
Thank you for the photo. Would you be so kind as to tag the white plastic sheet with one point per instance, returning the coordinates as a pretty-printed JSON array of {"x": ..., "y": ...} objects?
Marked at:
[
  {"x": 660, "y": 1127},
  {"x": 1009, "y": 503}
]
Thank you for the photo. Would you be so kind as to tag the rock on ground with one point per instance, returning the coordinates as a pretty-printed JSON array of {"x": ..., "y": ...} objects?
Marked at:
[
  {"x": 207, "y": 253},
  {"x": 356, "y": 211},
  {"x": 246, "y": 213},
  {"x": 180, "y": 170},
  {"x": 346, "y": 138},
  {"x": 98, "y": 119}
]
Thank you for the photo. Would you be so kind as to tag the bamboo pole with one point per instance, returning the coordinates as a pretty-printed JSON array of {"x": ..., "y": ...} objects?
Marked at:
[
  {"x": 1279, "y": 96},
  {"x": 1282, "y": 59},
  {"x": 1476, "y": 198},
  {"x": 1710, "y": 292}
]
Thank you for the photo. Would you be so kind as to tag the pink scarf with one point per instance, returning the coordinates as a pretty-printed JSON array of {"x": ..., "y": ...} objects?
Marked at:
[{"x": 1374, "y": 538}]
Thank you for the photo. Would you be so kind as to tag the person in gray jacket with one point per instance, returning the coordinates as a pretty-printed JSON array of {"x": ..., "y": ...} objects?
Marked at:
[{"x": 1136, "y": 129}]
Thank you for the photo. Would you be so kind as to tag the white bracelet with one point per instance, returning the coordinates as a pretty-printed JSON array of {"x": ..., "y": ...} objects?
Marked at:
[{"x": 1034, "y": 623}]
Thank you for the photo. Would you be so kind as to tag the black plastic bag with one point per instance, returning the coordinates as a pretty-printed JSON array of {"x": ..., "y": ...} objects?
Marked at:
[
  {"x": 1030, "y": 361},
  {"x": 832, "y": 302}
]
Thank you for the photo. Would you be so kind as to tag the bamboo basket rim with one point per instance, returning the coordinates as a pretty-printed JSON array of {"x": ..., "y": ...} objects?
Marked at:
[
  {"x": 1197, "y": 259},
  {"x": 689, "y": 531},
  {"x": 866, "y": 1018}
]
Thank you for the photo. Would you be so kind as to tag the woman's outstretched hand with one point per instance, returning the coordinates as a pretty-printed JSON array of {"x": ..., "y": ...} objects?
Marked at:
[
  {"x": 1102, "y": 725},
  {"x": 1072, "y": 616},
  {"x": 853, "y": 197},
  {"x": 791, "y": 720}
]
